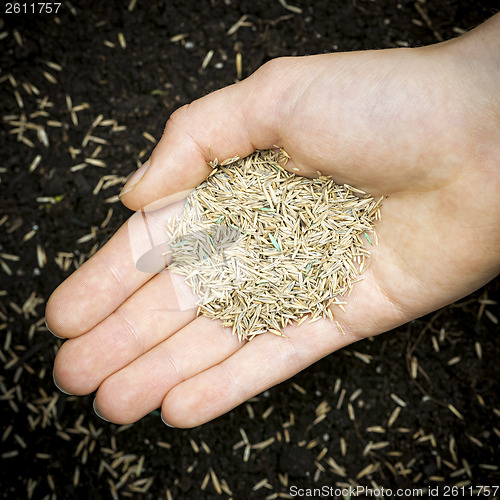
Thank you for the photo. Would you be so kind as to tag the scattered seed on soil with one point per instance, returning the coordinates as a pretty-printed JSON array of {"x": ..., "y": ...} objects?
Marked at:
[
  {"x": 207, "y": 59},
  {"x": 149, "y": 137},
  {"x": 43, "y": 138},
  {"x": 366, "y": 358},
  {"x": 394, "y": 416},
  {"x": 455, "y": 411},
  {"x": 122, "y": 41},
  {"x": 262, "y": 247},
  {"x": 398, "y": 400},
  {"x": 239, "y": 66}
]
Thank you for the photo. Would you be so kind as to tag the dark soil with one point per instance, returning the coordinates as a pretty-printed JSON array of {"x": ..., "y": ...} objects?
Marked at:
[{"x": 55, "y": 446}]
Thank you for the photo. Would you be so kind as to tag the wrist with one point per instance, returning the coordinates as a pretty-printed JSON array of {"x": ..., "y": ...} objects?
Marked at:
[
  {"x": 475, "y": 65},
  {"x": 474, "y": 62},
  {"x": 476, "y": 59}
]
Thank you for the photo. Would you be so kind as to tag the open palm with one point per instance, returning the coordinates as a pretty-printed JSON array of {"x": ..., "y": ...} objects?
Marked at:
[{"x": 383, "y": 121}]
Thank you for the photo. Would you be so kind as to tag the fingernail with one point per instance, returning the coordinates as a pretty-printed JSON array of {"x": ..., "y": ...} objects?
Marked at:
[
  {"x": 135, "y": 179},
  {"x": 165, "y": 422},
  {"x": 56, "y": 336},
  {"x": 94, "y": 404},
  {"x": 55, "y": 383}
]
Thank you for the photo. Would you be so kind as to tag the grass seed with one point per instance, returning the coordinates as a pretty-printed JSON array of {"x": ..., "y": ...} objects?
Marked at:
[{"x": 262, "y": 247}]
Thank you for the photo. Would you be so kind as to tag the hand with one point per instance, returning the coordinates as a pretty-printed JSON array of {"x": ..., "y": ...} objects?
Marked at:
[{"x": 419, "y": 126}]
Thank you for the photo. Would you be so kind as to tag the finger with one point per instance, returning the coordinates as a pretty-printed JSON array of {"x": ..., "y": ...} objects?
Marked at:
[
  {"x": 147, "y": 318},
  {"x": 233, "y": 121},
  {"x": 139, "y": 388},
  {"x": 132, "y": 257},
  {"x": 268, "y": 360},
  {"x": 263, "y": 362}
]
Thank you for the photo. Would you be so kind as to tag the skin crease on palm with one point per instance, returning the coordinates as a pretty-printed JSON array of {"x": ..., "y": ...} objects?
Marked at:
[{"x": 419, "y": 126}]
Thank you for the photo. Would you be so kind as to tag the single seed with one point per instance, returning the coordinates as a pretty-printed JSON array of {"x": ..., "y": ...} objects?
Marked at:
[
  {"x": 49, "y": 77},
  {"x": 207, "y": 59},
  {"x": 398, "y": 400},
  {"x": 239, "y": 65},
  {"x": 355, "y": 395},
  {"x": 149, "y": 137},
  {"x": 455, "y": 411},
  {"x": 394, "y": 416},
  {"x": 122, "y": 41},
  {"x": 35, "y": 163},
  {"x": 178, "y": 38},
  {"x": 18, "y": 38},
  {"x": 479, "y": 350},
  {"x": 95, "y": 162}
]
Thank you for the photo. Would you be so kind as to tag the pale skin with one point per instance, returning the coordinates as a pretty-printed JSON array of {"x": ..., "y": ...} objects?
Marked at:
[{"x": 420, "y": 126}]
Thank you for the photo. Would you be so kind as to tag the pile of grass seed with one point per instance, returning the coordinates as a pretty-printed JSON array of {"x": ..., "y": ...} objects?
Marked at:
[{"x": 262, "y": 247}]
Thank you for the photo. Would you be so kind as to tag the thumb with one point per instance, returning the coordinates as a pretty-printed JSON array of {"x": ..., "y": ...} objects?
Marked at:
[{"x": 233, "y": 121}]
